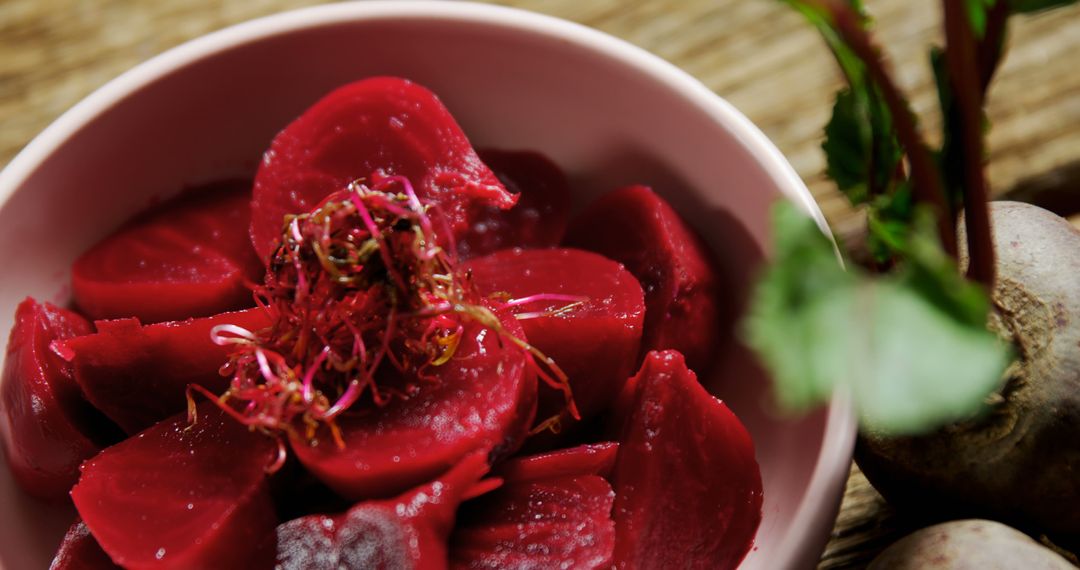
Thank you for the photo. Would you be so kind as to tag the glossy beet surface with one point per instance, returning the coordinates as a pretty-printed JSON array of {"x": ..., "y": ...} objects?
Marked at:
[
  {"x": 537, "y": 220},
  {"x": 137, "y": 375},
  {"x": 688, "y": 489},
  {"x": 408, "y": 532},
  {"x": 80, "y": 551},
  {"x": 189, "y": 257},
  {"x": 639, "y": 229},
  {"x": 609, "y": 315},
  {"x": 560, "y": 522},
  {"x": 482, "y": 398},
  {"x": 176, "y": 496},
  {"x": 45, "y": 423},
  {"x": 363, "y": 130},
  {"x": 591, "y": 459}
]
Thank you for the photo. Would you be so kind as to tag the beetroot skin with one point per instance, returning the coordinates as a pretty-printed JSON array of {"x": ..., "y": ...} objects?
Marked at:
[
  {"x": 80, "y": 551},
  {"x": 561, "y": 522},
  {"x": 138, "y": 375},
  {"x": 639, "y": 229},
  {"x": 687, "y": 487},
  {"x": 366, "y": 130},
  {"x": 45, "y": 422},
  {"x": 610, "y": 316},
  {"x": 408, "y": 532},
  {"x": 537, "y": 220},
  {"x": 483, "y": 398},
  {"x": 188, "y": 257},
  {"x": 176, "y": 496}
]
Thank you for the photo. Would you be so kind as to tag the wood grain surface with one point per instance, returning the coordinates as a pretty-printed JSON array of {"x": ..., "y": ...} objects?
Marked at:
[{"x": 757, "y": 54}]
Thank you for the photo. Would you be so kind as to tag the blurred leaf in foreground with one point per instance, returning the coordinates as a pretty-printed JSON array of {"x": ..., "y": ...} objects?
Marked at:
[{"x": 912, "y": 355}]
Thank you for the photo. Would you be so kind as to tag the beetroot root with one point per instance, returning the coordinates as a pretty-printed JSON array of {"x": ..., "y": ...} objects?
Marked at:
[{"x": 1020, "y": 461}]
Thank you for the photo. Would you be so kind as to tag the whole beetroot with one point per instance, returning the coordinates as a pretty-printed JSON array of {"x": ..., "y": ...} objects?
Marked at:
[
  {"x": 1021, "y": 461},
  {"x": 968, "y": 545}
]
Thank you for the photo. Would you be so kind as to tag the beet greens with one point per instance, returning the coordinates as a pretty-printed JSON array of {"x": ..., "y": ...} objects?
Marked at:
[{"x": 902, "y": 329}]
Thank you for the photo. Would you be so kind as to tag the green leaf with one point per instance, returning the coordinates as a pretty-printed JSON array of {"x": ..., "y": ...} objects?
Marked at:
[
  {"x": 976, "y": 12},
  {"x": 860, "y": 146},
  {"x": 910, "y": 366},
  {"x": 913, "y": 354},
  {"x": 804, "y": 270},
  {"x": 847, "y": 146},
  {"x": 889, "y": 220},
  {"x": 934, "y": 275},
  {"x": 852, "y": 66},
  {"x": 1027, "y": 6}
]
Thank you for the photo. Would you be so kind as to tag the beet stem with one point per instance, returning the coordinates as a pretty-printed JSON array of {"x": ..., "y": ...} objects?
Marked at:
[
  {"x": 961, "y": 59},
  {"x": 927, "y": 184}
]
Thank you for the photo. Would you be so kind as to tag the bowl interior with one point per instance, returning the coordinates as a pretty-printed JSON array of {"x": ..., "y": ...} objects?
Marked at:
[{"x": 606, "y": 112}]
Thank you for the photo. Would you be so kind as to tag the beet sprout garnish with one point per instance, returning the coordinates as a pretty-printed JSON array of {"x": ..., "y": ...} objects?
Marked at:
[{"x": 357, "y": 285}]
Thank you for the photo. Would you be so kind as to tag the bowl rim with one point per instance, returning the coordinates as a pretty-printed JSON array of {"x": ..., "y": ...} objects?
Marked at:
[{"x": 833, "y": 461}]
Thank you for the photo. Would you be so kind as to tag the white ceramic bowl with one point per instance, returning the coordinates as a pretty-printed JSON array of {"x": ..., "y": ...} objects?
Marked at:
[{"x": 607, "y": 112}]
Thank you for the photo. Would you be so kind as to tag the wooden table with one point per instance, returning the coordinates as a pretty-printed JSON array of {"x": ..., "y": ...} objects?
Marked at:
[{"x": 755, "y": 53}]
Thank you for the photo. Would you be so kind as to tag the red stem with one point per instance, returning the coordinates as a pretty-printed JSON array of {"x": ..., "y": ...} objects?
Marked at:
[
  {"x": 926, "y": 183},
  {"x": 960, "y": 57}
]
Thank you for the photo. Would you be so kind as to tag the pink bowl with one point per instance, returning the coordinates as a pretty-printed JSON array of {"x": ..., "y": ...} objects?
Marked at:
[{"x": 608, "y": 112}]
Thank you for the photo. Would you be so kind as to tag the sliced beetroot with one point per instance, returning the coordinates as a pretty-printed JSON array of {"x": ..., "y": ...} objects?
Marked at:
[
  {"x": 180, "y": 495},
  {"x": 590, "y": 459},
  {"x": 187, "y": 257},
  {"x": 538, "y": 219},
  {"x": 138, "y": 375},
  {"x": 562, "y": 522},
  {"x": 407, "y": 532},
  {"x": 47, "y": 426},
  {"x": 80, "y": 551},
  {"x": 365, "y": 130},
  {"x": 596, "y": 344},
  {"x": 687, "y": 486},
  {"x": 482, "y": 398},
  {"x": 639, "y": 229}
]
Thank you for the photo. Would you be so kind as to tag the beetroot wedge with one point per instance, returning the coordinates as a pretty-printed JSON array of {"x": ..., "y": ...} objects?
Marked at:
[
  {"x": 188, "y": 257},
  {"x": 563, "y": 522},
  {"x": 137, "y": 375},
  {"x": 47, "y": 426},
  {"x": 609, "y": 315},
  {"x": 366, "y": 130},
  {"x": 639, "y": 229},
  {"x": 482, "y": 398},
  {"x": 590, "y": 459},
  {"x": 80, "y": 551},
  {"x": 181, "y": 497},
  {"x": 687, "y": 486},
  {"x": 408, "y": 532},
  {"x": 538, "y": 219}
]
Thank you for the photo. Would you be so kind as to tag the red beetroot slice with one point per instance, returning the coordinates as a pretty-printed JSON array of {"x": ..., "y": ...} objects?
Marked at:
[
  {"x": 639, "y": 229},
  {"x": 187, "y": 257},
  {"x": 407, "y": 532},
  {"x": 687, "y": 486},
  {"x": 137, "y": 375},
  {"x": 47, "y": 426},
  {"x": 376, "y": 126},
  {"x": 483, "y": 398},
  {"x": 80, "y": 551},
  {"x": 537, "y": 220},
  {"x": 589, "y": 459},
  {"x": 176, "y": 496},
  {"x": 596, "y": 344},
  {"x": 562, "y": 522}
]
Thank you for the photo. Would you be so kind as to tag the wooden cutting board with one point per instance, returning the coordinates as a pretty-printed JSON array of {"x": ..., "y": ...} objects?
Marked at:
[{"x": 756, "y": 53}]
